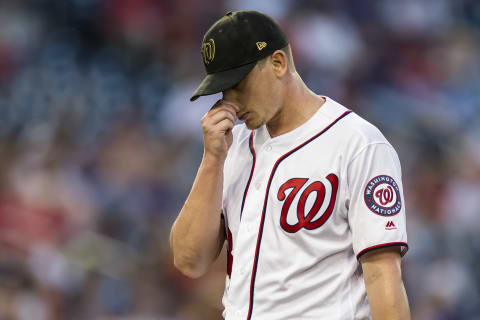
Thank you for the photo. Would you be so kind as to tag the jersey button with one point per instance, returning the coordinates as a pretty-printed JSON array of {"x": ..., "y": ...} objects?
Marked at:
[
  {"x": 268, "y": 148},
  {"x": 258, "y": 185}
]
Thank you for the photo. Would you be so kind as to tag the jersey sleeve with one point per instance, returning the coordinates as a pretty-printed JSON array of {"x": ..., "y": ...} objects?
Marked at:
[{"x": 376, "y": 206}]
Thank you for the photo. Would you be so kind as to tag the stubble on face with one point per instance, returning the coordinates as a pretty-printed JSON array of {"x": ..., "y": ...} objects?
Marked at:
[{"x": 252, "y": 124}]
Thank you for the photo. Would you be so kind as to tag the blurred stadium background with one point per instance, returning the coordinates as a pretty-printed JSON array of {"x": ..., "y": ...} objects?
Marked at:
[{"x": 99, "y": 144}]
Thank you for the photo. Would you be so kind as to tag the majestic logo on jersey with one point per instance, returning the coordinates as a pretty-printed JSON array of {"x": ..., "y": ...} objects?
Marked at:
[
  {"x": 390, "y": 225},
  {"x": 306, "y": 221},
  {"x": 382, "y": 196}
]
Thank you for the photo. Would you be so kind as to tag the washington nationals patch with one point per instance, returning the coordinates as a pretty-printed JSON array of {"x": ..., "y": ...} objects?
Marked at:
[{"x": 382, "y": 196}]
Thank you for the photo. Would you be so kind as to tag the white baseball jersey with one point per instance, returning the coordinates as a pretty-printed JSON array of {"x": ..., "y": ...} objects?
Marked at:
[{"x": 300, "y": 209}]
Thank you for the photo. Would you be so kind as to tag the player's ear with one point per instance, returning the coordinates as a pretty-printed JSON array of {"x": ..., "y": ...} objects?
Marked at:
[{"x": 279, "y": 63}]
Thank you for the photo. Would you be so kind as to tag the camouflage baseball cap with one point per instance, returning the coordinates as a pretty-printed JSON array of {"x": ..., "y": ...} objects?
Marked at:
[{"x": 233, "y": 45}]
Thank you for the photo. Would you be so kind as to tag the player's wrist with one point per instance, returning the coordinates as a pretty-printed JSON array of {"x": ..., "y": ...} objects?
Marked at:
[{"x": 213, "y": 160}]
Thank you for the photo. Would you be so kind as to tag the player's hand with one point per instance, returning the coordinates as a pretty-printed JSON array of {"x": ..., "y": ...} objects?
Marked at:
[{"x": 217, "y": 125}]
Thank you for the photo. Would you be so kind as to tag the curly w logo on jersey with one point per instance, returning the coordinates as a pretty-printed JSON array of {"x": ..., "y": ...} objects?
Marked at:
[
  {"x": 382, "y": 196},
  {"x": 306, "y": 221}
]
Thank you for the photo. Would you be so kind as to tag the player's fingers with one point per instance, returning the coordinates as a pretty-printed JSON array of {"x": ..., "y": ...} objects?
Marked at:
[
  {"x": 214, "y": 116},
  {"x": 220, "y": 104},
  {"x": 216, "y": 104},
  {"x": 225, "y": 102},
  {"x": 220, "y": 126},
  {"x": 225, "y": 125},
  {"x": 221, "y": 115},
  {"x": 231, "y": 104},
  {"x": 222, "y": 107}
]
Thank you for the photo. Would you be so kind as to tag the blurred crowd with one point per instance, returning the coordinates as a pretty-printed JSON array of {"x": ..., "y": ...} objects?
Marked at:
[{"x": 99, "y": 144}]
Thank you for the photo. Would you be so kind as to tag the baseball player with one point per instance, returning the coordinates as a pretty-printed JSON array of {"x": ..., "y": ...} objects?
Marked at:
[{"x": 307, "y": 194}]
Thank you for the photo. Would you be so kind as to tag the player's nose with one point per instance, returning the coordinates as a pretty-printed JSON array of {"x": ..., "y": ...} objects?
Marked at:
[{"x": 229, "y": 96}]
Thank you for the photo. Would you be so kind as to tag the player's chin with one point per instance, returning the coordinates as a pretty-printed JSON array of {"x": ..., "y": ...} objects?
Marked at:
[{"x": 251, "y": 124}]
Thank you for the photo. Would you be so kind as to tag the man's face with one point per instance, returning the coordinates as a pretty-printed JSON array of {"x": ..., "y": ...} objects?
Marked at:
[{"x": 258, "y": 96}]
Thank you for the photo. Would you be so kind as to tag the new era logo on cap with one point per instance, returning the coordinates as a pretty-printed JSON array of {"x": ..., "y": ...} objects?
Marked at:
[{"x": 261, "y": 45}]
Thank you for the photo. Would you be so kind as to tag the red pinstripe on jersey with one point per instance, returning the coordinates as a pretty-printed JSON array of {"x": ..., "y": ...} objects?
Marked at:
[
  {"x": 252, "y": 151},
  {"x": 229, "y": 253}
]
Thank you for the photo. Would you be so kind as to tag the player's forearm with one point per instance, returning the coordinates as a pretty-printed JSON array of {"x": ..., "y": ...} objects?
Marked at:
[
  {"x": 196, "y": 236},
  {"x": 385, "y": 289},
  {"x": 390, "y": 303}
]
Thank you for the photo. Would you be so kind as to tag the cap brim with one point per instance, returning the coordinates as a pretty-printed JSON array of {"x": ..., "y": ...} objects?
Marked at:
[{"x": 220, "y": 81}]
